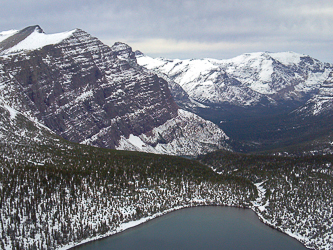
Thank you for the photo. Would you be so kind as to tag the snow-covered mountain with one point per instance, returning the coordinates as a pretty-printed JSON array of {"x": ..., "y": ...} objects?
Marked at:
[
  {"x": 52, "y": 195},
  {"x": 322, "y": 102},
  {"x": 88, "y": 92},
  {"x": 261, "y": 100},
  {"x": 246, "y": 80}
]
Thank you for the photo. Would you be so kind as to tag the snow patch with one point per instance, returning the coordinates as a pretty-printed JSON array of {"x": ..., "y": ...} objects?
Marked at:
[
  {"x": 136, "y": 141},
  {"x": 149, "y": 62},
  {"x": 38, "y": 40},
  {"x": 84, "y": 96},
  {"x": 5, "y": 34},
  {"x": 12, "y": 111},
  {"x": 287, "y": 58}
]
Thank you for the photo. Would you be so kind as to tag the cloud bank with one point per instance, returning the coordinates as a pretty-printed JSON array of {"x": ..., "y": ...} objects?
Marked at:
[{"x": 187, "y": 29}]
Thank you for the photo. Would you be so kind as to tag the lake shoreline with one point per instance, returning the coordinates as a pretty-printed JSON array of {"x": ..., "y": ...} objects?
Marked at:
[
  {"x": 133, "y": 224},
  {"x": 267, "y": 223}
]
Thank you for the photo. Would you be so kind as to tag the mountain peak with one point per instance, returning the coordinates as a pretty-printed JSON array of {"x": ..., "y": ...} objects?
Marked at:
[
  {"x": 123, "y": 51},
  {"x": 31, "y": 38},
  {"x": 18, "y": 37},
  {"x": 31, "y": 29},
  {"x": 138, "y": 53}
]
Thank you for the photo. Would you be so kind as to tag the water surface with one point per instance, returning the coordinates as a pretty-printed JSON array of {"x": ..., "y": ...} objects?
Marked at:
[{"x": 206, "y": 227}]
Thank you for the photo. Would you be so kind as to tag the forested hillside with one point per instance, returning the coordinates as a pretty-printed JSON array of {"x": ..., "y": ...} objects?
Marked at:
[
  {"x": 64, "y": 194},
  {"x": 295, "y": 192}
]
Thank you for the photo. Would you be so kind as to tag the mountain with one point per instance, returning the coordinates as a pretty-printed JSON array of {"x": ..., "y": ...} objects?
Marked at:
[
  {"x": 246, "y": 80},
  {"x": 90, "y": 93},
  {"x": 261, "y": 100},
  {"x": 56, "y": 194},
  {"x": 320, "y": 103}
]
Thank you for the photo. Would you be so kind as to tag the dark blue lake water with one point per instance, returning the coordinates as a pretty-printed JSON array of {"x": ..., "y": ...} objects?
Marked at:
[{"x": 200, "y": 228}]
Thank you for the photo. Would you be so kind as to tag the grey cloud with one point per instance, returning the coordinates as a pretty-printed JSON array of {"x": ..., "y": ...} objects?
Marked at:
[{"x": 304, "y": 26}]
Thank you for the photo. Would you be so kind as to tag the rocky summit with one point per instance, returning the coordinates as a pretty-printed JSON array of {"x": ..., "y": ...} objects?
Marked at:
[{"x": 88, "y": 92}]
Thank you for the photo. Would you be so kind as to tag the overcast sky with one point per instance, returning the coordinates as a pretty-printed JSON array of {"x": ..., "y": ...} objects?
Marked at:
[{"x": 187, "y": 29}]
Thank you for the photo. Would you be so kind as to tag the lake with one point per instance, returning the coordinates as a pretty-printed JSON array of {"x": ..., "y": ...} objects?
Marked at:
[{"x": 208, "y": 227}]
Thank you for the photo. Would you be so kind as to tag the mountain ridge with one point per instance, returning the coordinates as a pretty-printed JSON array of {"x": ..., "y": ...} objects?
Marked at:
[
  {"x": 263, "y": 73},
  {"x": 262, "y": 100},
  {"x": 86, "y": 91}
]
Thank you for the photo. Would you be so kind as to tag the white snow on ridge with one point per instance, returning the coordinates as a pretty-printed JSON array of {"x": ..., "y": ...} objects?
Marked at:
[
  {"x": 84, "y": 96},
  {"x": 287, "y": 58},
  {"x": 38, "y": 40},
  {"x": 149, "y": 62},
  {"x": 259, "y": 73},
  {"x": 136, "y": 141},
  {"x": 5, "y": 34}
]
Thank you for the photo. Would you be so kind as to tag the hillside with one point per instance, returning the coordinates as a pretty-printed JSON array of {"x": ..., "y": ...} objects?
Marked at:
[
  {"x": 54, "y": 197},
  {"x": 294, "y": 193}
]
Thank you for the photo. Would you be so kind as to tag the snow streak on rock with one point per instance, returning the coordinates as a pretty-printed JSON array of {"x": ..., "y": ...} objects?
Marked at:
[{"x": 186, "y": 134}]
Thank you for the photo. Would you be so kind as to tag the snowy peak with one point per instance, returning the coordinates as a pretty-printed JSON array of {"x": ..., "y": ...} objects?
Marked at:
[
  {"x": 246, "y": 80},
  {"x": 286, "y": 58},
  {"x": 15, "y": 37},
  {"x": 30, "y": 38},
  {"x": 5, "y": 34}
]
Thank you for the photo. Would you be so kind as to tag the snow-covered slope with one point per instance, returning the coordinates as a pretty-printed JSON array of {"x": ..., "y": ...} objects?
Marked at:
[
  {"x": 322, "y": 102},
  {"x": 186, "y": 134},
  {"x": 245, "y": 80},
  {"x": 5, "y": 34},
  {"x": 91, "y": 93},
  {"x": 18, "y": 130},
  {"x": 35, "y": 40}
]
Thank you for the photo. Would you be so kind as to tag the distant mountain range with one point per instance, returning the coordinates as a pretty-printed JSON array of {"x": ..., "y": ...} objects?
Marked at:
[
  {"x": 261, "y": 100},
  {"x": 90, "y": 93}
]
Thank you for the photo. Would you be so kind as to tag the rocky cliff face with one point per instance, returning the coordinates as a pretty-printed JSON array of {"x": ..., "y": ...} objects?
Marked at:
[{"x": 82, "y": 89}]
